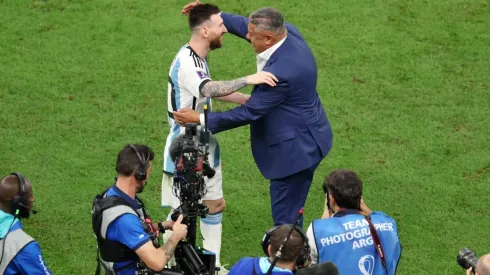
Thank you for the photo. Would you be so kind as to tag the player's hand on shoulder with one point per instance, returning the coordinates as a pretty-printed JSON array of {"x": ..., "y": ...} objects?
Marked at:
[
  {"x": 187, "y": 8},
  {"x": 262, "y": 77}
]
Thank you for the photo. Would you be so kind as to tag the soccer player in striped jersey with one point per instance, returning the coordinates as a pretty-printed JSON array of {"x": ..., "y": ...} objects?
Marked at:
[{"x": 190, "y": 86}]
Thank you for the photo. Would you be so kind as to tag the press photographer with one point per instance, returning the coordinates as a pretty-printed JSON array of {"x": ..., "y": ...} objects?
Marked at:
[
  {"x": 127, "y": 238},
  {"x": 356, "y": 239},
  {"x": 468, "y": 260},
  {"x": 293, "y": 253}
]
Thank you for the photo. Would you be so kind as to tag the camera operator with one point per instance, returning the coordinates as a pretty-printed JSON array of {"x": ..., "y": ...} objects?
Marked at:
[
  {"x": 352, "y": 236},
  {"x": 127, "y": 238},
  {"x": 20, "y": 253},
  {"x": 294, "y": 253}
]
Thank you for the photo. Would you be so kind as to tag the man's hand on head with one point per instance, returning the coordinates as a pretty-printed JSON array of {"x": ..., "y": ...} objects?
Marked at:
[{"x": 187, "y": 8}]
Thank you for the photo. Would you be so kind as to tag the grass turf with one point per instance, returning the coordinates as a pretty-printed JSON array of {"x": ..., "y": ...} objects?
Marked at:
[{"x": 405, "y": 85}]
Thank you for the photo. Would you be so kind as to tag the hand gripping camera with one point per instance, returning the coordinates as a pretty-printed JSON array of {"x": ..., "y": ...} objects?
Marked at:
[
  {"x": 466, "y": 259},
  {"x": 191, "y": 166}
]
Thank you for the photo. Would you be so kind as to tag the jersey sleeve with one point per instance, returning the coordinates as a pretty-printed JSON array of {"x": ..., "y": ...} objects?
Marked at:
[
  {"x": 194, "y": 76},
  {"x": 127, "y": 229},
  {"x": 30, "y": 261}
]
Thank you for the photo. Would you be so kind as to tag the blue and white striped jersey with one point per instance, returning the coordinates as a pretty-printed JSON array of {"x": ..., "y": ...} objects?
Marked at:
[{"x": 188, "y": 73}]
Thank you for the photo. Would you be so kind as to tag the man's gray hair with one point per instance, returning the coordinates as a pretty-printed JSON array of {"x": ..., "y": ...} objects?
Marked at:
[{"x": 269, "y": 19}]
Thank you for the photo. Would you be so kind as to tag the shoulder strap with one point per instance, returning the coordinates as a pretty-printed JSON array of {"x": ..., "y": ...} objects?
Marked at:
[
  {"x": 104, "y": 211},
  {"x": 116, "y": 207},
  {"x": 13, "y": 242},
  {"x": 377, "y": 242}
]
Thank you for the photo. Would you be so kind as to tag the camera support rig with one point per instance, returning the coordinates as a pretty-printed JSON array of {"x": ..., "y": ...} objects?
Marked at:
[{"x": 191, "y": 166}]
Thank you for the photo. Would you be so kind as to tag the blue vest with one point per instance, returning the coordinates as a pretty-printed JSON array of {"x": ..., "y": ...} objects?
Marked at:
[{"x": 345, "y": 239}]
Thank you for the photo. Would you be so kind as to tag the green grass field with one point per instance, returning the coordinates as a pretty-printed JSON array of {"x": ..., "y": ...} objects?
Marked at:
[{"x": 405, "y": 84}]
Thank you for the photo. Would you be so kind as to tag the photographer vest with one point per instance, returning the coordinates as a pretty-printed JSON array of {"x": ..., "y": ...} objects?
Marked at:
[
  {"x": 106, "y": 210},
  {"x": 345, "y": 239},
  {"x": 13, "y": 242}
]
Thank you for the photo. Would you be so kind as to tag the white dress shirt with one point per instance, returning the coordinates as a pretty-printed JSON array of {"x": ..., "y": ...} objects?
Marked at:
[{"x": 264, "y": 56}]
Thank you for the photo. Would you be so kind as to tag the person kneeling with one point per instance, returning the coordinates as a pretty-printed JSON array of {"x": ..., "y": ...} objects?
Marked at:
[{"x": 294, "y": 254}]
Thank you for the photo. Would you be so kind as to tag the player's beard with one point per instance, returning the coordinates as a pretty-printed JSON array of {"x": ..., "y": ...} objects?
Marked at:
[{"x": 216, "y": 43}]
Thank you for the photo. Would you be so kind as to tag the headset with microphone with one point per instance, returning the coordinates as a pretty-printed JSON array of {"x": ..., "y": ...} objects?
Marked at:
[
  {"x": 303, "y": 259},
  {"x": 19, "y": 206},
  {"x": 140, "y": 173},
  {"x": 19, "y": 202}
]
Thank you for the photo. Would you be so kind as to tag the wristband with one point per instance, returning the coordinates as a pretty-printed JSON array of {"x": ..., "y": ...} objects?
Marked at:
[{"x": 161, "y": 228}]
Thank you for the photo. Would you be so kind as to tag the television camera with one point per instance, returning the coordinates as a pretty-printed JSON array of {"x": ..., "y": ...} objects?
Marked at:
[{"x": 190, "y": 156}]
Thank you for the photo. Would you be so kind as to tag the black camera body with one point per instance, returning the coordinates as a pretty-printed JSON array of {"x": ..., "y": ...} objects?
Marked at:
[
  {"x": 191, "y": 166},
  {"x": 467, "y": 259}
]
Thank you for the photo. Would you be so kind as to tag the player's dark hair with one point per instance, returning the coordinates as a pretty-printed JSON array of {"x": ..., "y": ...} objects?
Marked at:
[
  {"x": 201, "y": 13},
  {"x": 128, "y": 161},
  {"x": 345, "y": 187},
  {"x": 293, "y": 247}
]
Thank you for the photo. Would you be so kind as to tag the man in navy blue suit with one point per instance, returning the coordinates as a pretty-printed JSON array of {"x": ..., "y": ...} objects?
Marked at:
[{"x": 290, "y": 132}]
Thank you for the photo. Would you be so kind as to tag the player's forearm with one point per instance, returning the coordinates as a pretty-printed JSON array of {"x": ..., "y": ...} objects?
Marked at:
[
  {"x": 237, "y": 97},
  {"x": 223, "y": 88}
]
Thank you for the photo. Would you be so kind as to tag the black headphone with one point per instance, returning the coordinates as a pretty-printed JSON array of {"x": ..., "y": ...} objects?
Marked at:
[
  {"x": 303, "y": 259},
  {"x": 140, "y": 173},
  {"x": 19, "y": 203}
]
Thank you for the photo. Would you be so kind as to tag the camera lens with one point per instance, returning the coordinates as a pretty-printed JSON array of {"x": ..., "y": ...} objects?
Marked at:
[{"x": 467, "y": 258}]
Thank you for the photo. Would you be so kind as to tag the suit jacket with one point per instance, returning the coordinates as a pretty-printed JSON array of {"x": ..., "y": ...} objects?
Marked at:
[{"x": 288, "y": 127}]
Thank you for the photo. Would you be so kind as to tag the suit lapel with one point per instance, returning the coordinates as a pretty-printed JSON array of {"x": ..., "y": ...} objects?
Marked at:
[{"x": 281, "y": 50}]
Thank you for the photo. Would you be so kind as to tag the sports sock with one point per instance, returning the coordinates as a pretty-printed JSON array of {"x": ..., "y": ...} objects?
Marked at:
[{"x": 211, "y": 231}]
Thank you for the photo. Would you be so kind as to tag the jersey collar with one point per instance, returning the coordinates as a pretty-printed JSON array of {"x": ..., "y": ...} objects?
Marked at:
[{"x": 133, "y": 202}]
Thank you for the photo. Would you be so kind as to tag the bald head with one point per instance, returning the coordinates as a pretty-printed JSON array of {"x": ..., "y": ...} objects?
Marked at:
[
  {"x": 9, "y": 187},
  {"x": 483, "y": 265}
]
